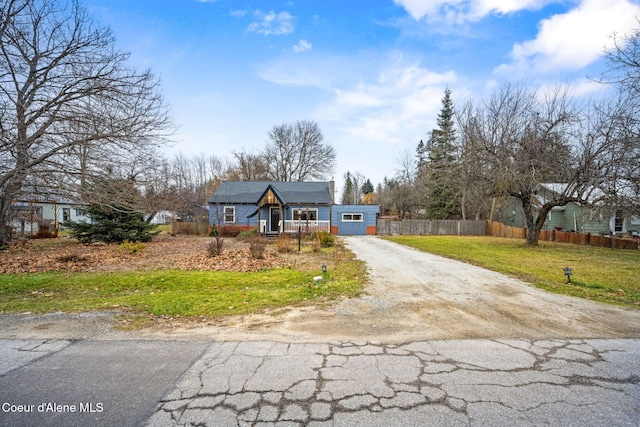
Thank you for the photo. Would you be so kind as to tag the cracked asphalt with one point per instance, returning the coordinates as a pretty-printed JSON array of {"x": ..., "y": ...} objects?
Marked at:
[
  {"x": 460, "y": 382},
  {"x": 513, "y": 382}
]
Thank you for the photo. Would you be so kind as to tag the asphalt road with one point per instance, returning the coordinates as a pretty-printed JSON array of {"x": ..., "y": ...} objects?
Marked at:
[{"x": 438, "y": 382}]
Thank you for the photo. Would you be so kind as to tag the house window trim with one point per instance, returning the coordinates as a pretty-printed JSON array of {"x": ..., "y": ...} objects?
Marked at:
[
  {"x": 351, "y": 214},
  {"x": 294, "y": 212},
  {"x": 224, "y": 214}
]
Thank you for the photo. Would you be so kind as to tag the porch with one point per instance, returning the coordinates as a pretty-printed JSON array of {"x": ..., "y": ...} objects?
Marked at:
[{"x": 291, "y": 226}]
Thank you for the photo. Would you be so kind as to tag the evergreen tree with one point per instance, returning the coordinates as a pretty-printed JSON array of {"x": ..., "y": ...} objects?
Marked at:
[
  {"x": 115, "y": 216},
  {"x": 112, "y": 226},
  {"x": 367, "y": 187},
  {"x": 439, "y": 170},
  {"x": 421, "y": 156},
  {"x": 347, "y": 191}
]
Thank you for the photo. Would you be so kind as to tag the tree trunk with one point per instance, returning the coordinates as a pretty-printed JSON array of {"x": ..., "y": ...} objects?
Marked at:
[
  {"x": 5, "y": 220},
  {"x": 533, "y": 225},
  {"x": 10, "y": 190}
]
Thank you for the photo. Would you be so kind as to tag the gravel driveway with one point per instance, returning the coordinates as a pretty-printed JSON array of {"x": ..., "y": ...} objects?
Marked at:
[
  {"x": 411, "y": 296},
  {"x": 414, "y": 295}
]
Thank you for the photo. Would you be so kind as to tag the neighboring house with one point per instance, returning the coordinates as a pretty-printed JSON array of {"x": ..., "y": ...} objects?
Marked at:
[
  {"x": 581, "y": 218},
  {"x": 33, "y": 212},
  {"x": 284, "y": 207},
  {"x": 163, "y": 217}
]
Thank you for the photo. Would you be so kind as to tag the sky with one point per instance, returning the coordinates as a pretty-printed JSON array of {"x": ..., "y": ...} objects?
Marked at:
[{"x": 371, "y": 73}]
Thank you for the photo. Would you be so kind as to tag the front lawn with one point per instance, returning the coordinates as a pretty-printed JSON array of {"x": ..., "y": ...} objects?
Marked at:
[
  {"x": 186, "y": 293},
  {"x": 601, "y": 274}
]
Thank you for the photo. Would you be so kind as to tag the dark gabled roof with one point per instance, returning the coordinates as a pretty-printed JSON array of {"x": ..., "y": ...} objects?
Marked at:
[{"x": 250, "y": 192}]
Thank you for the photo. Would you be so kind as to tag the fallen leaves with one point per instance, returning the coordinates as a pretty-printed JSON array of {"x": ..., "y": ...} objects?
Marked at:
[{"x": 164, "y": 252}]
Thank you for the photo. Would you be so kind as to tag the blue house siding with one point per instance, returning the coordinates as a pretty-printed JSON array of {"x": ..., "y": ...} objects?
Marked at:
[
  {"x": 216, "y": 215},
  {"x": 354, "y": 220}
]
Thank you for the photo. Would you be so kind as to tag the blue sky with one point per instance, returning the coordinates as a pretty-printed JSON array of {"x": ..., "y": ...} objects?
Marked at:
[{"x": 371, "y": 73}]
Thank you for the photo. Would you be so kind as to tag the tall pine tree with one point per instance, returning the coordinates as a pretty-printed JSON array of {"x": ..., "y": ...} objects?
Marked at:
[{"x": 438, "y": 172}]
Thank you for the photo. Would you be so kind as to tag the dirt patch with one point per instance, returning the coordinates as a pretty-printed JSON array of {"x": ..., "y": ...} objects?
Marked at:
[{"x": 411, "y": 296}]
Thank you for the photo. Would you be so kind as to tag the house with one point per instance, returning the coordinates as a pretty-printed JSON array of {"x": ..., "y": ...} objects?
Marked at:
[
  {"x": 286, "y": 207},
  {"x": 31, "y": 213},
  {"x": 582, "y": 218}
]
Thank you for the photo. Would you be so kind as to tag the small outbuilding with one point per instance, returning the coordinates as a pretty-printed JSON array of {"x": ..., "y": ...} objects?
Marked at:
[{"x": 354, "y": 220}]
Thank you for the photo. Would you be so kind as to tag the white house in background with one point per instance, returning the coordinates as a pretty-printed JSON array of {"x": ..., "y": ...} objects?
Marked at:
[
  {"x": 163, "y": 217},
  {"x": 33, "y": 212}
]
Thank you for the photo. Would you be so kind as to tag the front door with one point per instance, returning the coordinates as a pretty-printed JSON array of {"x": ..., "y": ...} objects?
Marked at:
[
  {"x": 619, "y": 222},
  {"x": 274, "y": 220}
]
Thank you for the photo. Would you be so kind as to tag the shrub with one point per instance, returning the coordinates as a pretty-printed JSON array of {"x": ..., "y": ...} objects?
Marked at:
[
  {"x": 215, "y": 247},
  {"x": 248, "y": 234},
  {"x": 284, "y": 243},
  {"x": 130, "y": 248},
  {"x": 257, "y": 246},
  {"x": 44, "y": 230},
  {"x": 214, "y": 231},
  {"x": 326, "y": 239}
]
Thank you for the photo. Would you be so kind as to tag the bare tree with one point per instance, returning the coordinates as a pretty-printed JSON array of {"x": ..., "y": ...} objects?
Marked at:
[
  {"x": 623, "y": 61},
  {"x": 69, "y": 103},
  {"x": 352, "y": 191},
  {"x": 297, "y": 153},
  {"x": 523, "y": 142},
  {"x": 191, "y": 181},
  {"x": 520, "y": 139},
  {"x": 250, "y": 167}
]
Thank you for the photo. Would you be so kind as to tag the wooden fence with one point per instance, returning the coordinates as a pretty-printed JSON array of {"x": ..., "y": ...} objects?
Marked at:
[
  {"x": 190, "y": 228},
  {"x": 501, "y": 230},
  {"x": 423, "y": 227}
]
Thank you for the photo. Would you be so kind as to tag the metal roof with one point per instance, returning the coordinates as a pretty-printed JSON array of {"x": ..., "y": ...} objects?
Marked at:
[{"x": 250, "y": 192}]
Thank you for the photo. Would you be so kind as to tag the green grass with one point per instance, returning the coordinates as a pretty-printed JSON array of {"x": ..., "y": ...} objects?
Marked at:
[
  {"x": 601, "y": 274},
  {"x": 178, "y": 293}
]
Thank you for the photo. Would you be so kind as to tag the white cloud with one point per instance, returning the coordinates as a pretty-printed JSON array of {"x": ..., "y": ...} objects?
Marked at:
[
  {"x": 368, "y": 103},
  {"x": 272, "y": 23},
  {"x": 572, "y": 40},
  {"x": 395, "y": 107},
  {"x": 238, "y": 13},
  {"x": 302, "y": 46},
  {"x": 459, "y": 11}
]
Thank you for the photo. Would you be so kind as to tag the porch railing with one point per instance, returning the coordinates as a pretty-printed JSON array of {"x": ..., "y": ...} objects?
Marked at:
[{"x": 291, "y": 226}]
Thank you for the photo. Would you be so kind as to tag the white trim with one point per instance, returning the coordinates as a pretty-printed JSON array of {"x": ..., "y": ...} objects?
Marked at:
[
  {"x": 294, "y": 211},
  {"x": 351, "y": 217},
  {"x": 224, "y": 214}
]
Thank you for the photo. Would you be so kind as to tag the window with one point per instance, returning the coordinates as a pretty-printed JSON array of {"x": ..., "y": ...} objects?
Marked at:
[
  {"x": 305, "y": 215},
  {"x": 81, "y": 212},
  {"x": 229, "y": 214},
  {"x": 351, "y": 217},
  {"x": 66, "y": 214}
]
